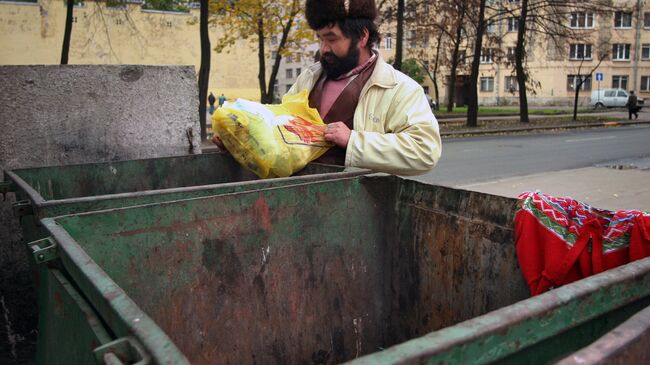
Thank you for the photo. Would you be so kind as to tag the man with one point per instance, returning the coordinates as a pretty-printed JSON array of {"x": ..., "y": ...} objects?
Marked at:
[
  {"x": 211, "y": 100},
  {"x": 632, "y": 106},
  {"x": 377, "y": 117},
  {"x": 222, "y": 99}
]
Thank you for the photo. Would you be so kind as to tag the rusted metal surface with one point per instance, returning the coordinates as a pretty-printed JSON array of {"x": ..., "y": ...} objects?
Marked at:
[
  {"x": 454, "y": 258},
  {"x": 250, "y": 278},
  {"x": 330, "y": 271},
  {"x": 627, "y": 344}
]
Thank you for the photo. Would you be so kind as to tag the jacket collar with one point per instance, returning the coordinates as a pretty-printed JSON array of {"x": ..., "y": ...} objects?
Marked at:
[{"x": 384, "y": 75}]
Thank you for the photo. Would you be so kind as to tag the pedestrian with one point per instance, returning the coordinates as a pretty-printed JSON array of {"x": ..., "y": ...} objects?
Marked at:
[
  {"x": 211, "y": 100},
  {"x": 377, "y": 117},
  {"x": 632, "y": 106},
  {"x": 222, "y": 99}
]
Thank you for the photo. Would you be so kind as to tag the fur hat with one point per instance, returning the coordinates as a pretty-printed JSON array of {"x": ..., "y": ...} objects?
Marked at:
[{"x": 321, "y": 13}]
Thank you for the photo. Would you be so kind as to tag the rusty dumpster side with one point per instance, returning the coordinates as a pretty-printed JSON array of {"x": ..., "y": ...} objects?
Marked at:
[{"x": 368, "y": 269}]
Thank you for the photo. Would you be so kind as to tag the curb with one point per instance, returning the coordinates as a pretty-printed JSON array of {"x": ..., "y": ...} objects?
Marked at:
[
  {"x": 450, "y": 118},
  {"x": 470, "y": 132}
]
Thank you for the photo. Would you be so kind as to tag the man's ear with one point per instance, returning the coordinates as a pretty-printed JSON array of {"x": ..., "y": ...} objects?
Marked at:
[{"x": 363, "y": 41}]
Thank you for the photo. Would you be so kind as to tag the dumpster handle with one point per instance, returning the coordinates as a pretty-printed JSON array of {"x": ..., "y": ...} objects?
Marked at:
[
  {"x": 23, "y": 208},
  {"x": 123, "y": 349},
  {"x": 5, "y": 188},
  {"x": 43, "y": 250}
]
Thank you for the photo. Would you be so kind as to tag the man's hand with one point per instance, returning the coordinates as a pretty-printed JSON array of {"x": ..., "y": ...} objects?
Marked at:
[{"x": 338, "y": 133}]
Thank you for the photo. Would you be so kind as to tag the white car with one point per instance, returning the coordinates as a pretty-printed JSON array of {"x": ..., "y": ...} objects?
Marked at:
[{"x": 611, "y": 98}]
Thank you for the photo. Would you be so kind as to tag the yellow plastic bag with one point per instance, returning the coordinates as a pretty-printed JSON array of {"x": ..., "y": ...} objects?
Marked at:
[{"x": 272, "y": 140}]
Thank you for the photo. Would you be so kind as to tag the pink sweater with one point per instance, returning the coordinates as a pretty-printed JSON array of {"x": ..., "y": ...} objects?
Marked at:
[{"x": 333, "y": 88}]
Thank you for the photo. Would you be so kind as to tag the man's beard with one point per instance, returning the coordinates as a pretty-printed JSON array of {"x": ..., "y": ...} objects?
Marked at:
[{"x": 335, "y": 66}]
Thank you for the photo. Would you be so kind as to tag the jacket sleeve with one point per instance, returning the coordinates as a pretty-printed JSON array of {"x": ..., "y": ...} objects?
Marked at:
[{"x": 411, "y": 143}]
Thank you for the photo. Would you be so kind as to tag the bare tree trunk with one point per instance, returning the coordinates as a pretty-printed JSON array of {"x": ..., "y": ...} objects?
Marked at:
[
  {"x": 451, "y": 94},
  {"x": 472, "y": 109},
  {"x": 278, "y": 58},
  {"x": 67, "y": 33},
  {"x": 204, "y": 70},
  {"x": 261, "y": 74},
  {"x": 520, "y": 51},
  {"x": 582, "y": 80},
  {"x": 400, "y": 35},
  {"x": 435, "y": 70}
]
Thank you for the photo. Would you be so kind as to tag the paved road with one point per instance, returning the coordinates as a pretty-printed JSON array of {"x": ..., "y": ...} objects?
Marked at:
[{"x": 483, "y": 159}]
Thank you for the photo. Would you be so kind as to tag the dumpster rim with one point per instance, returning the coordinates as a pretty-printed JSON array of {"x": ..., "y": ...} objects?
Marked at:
[{"x": 39, "y": 202}]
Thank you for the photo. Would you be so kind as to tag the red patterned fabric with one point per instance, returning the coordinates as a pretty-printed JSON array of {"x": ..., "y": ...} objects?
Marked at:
[{"x": 562, "y": 240}]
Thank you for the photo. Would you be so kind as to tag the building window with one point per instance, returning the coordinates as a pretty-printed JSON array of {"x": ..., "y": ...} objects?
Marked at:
[
  {"x": 622, "y": 19},
  {"x": 425, "y": 40},
  {"x": 287, "y": 88},
  {"x": 645, "y": 51},
  {"x": 646, "y": 20},
  {"x": 621, "y": 52},
  {"x": 510, "y": 84},
  {"x": 289, "y": 72},
  {"x": 274, "y": 54},
  {"x": 298, "y": 71},
  {"x": 645, "y": 83},
  {"x": 388, "y": 41},
  {"x": 487, "y": 84},
  {"x": 619, "y": 82},
  {"x": 274, "y": 39},
  {"x": 491, "y": 28},
  {"x": 580, "y": 51},
  {"x": 513, "y": 24},
  {"x": 581, "y": 19},
  {"x": 487, "y": 55},
  {"x": 572, "y": 82},
  {"x": 412, "y": 43},
  {"x": 510, "y": 54}
]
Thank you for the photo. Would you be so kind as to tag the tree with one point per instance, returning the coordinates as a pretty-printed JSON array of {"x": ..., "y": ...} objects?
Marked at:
[
  {"x": 520, "y": 50},
  {"x": 472, "y": 110},
  {"x": 459, "y": 9},
  {"x": 399, "y": 44},
  {"x": 204, "y": 70},
  {"x": 67, "y": 32},
  {"x": 550, "y": 19},
  {"x": 582, "y": 78},
  {"x": 411, "y": 68},
  {"x": 260, "y": 21}
]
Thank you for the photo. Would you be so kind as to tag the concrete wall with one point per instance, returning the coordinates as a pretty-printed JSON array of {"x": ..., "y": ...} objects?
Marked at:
[{"x": 56, "y": 115}]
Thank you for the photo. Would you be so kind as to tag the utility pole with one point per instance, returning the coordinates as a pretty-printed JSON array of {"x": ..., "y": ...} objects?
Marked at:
[{"x": 637, "y": 43}]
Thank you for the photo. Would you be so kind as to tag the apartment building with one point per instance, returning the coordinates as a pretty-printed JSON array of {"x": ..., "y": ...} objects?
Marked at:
[
  {"x": 621, "y": 38},
  {"x": 615, "y": 51},
  {"x": 32, "y": 33}
]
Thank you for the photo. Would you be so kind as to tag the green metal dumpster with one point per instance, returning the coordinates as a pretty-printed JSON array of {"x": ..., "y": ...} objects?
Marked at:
[
  {"x": 59, "y": 190},
  {"x": 368, "y": 269}
]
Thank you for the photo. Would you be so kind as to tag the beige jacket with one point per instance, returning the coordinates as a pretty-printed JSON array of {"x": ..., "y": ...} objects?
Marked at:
[{"x": 394, "y": 128}]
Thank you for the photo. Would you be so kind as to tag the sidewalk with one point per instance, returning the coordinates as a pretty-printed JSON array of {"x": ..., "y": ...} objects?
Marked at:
[
  {"x": 601, "y": 187},
  {"x": 454, "y": 127}
]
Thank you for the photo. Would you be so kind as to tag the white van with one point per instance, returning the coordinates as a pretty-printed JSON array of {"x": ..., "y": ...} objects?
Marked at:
[{"x": 611, "y": 98}]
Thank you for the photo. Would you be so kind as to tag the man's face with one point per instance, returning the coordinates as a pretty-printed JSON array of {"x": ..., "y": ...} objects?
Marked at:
[{"x": 338, "y": 54}]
